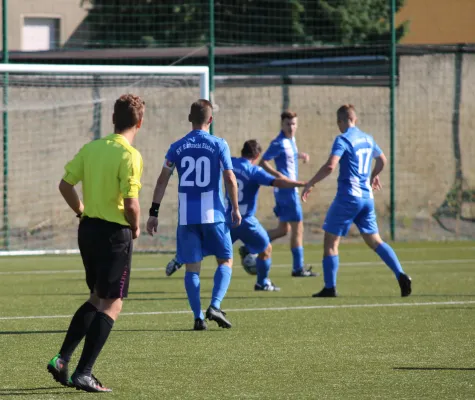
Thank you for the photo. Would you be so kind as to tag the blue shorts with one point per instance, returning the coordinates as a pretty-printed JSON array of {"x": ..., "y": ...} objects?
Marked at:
[
  {"x": 287, "y": 206},
  {"x": 346, "y": 210},
  {"x": 252, "y": 234},
  {"x": 194, "y": 242}
]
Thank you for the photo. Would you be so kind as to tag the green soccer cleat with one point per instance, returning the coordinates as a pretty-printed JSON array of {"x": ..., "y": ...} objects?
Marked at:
[{"x": 58, "y": 368}]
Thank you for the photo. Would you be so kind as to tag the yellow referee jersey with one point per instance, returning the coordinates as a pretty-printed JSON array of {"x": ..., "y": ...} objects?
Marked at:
[{"x": 110, "y": 170}]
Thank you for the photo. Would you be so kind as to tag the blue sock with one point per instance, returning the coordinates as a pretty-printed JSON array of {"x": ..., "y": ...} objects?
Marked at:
[
  {"x": 222, "y": 279},
  {"x": 297, "y": 258},
  {"x": 263, "y": 268},
  {"x": 388, "y": 255},
  {"x": 192, "y": 286},
  {"x": 330, "y": 270}
]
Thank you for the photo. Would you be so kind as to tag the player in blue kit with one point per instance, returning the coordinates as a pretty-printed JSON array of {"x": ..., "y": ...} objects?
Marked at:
[
  {"x": 200, "y": 160},
  {"x": 249, "y": 178},
  {"x": 283, "y": 150},
  {"x": 354, "y": 150}
]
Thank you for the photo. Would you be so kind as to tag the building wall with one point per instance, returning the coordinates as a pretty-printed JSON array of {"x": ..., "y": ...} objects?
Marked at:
[
  {"x": 70, "y": 13},
  {"x": 438, "y": 21},
  {"x": 431, "y": 21}
]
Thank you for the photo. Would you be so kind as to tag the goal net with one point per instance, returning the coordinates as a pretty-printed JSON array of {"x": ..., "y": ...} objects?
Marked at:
[{"x": 50, "y": 112}]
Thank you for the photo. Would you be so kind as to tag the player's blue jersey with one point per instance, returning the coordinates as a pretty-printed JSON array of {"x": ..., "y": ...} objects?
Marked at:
[
  {"x": 199, "y": 159},
  {"x": 356, "y": 149},
  {"x": 284, "y": 152},
  {"x": 249, "y": 177}
]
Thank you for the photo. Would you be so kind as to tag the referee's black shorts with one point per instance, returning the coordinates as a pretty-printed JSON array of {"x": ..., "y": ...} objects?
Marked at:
[{"x": 106, "y": 251}]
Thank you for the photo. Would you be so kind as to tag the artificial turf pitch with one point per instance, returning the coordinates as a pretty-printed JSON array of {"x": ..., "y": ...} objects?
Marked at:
[{"x": 369, "y": 343}]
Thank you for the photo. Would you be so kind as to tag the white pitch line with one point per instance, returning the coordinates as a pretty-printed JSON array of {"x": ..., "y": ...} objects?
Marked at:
[
  {"x": 321, "y": 307},
  {"x": 397, "y": 249},
  {"x": 145, "y": 269},
  {"x": 68, "y": 252}
]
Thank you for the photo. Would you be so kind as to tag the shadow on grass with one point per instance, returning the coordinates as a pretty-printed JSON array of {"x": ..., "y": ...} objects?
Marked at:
[
  {"x": 155, "y": 299},
  {"x": 85, "y": 294},
  {"x": 433, "y": 369},
  {"x": 443, "y": 295},
  {"x": 154, "y": 292},
  {"x": 180, "y": 278},
  {"x": 169, "y": 330},
  {"x": 277, "y": 295},
  {"x": 160, "y": 278},
  {"x": 38, "y": 391},
  {"x": 27, "y": 333},
  {"x": 63, "y": 332},
  {"x": 414, "y": 295},
  {"x": 208, "y": 297}
]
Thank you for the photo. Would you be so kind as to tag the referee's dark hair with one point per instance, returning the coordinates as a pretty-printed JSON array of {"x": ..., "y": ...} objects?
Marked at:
[
  {"x": 128, "y": 112},
  {"x": 251, "y": 149}
]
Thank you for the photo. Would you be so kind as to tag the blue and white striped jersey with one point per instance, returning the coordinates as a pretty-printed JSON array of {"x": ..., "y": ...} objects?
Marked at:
[
  {"x": 356, "y": 149},
  {"x": 199, "y": 159},
  {"x": 284, "y": 152}
]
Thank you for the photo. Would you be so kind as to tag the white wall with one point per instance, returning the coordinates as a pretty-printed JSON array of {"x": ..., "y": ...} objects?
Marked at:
[{"x": 70, "y": 14}]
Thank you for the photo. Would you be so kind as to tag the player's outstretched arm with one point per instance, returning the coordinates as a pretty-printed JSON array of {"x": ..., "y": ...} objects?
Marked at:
[
  {"x": 232, "y": 190},
  {"x": 286, "y": 183},
  {"x": 71, "y": 197},
  {"x": 158, "y": 193},
  {"x": 325, "y": 170}
]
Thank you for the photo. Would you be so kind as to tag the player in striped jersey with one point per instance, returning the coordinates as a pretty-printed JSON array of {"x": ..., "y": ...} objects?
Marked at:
[
  {"x": 201, "y": 159},
  {"x": 283, "y": 150}
]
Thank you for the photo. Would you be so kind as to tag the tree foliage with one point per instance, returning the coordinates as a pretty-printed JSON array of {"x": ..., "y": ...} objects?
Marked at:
[
  {"x": 158, "y": 23},
  {"x": 351, "y": 21}
]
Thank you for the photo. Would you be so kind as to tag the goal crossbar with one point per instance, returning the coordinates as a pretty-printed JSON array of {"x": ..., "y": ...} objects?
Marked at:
[{"x": 202, "y": 71}]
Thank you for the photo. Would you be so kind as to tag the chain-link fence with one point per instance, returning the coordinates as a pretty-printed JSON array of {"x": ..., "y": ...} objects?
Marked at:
[{"x": 309, "y": 56}]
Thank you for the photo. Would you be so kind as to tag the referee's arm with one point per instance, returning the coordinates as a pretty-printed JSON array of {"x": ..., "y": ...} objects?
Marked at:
[
  {"x": 130, "y": 173},
  {"x": 71, "y": 197},
  {"x": 132, "y": 215},
  {"x": 74, "y": 171}
]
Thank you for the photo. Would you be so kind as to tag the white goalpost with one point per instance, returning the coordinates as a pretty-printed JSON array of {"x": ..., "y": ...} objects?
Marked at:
[
  {"x": 50, "y": 111},
  {"x": 201, "y": 71}
]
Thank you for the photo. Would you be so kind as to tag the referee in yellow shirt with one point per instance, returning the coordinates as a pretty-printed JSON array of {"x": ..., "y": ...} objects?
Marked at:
[{"x": 110, "y": 170}]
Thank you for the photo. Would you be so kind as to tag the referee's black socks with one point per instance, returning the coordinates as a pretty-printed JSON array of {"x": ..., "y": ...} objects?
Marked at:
[
  {"x": 78, "y": 328},
  {"x": 96, "y": 337}
]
